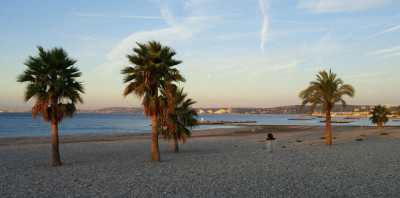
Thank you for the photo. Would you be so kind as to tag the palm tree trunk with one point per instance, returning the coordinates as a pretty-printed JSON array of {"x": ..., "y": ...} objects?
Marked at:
[
  {"x": 176, "y": 147},
  {"x": 155, "y": 154},
  {"x": 380, "y": 128},
  {"x": 328, "y": 128},
  {"x": 56, "y": 161}
]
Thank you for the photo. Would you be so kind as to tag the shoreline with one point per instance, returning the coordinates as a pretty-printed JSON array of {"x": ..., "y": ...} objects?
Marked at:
[{"x": 241, "y": 130}]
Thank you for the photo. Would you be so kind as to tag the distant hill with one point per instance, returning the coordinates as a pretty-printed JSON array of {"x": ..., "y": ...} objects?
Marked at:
[
  {"x": 115, "y": 110},
  {"x": 292, "y": 109}
]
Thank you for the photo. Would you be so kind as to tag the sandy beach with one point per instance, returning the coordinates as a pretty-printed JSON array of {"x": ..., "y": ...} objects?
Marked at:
[{"x": 230, "y": 162}]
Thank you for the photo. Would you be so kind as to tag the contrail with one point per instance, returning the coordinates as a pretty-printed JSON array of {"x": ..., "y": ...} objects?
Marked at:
[{"x": 264, "y": 6}]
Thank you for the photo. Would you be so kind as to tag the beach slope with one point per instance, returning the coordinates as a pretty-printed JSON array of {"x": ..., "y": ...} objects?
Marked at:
[{"x": 213, "y": 163}]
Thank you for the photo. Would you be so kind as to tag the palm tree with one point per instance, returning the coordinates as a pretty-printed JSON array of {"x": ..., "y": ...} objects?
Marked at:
[
  {"x": 177, "y": 122},
  {"x": 326, "y": 90},
  {"x": 153, "y": 71},
  {"x": 51, "y": 80},
  {"x": 398, "y": 110},
  {"x": 379, "y": 116}
]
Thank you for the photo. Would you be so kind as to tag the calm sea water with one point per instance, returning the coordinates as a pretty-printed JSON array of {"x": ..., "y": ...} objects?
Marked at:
[{"x": 23, "y": 125}]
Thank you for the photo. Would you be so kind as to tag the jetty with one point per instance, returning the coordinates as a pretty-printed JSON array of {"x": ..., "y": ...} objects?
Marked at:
[
  {"x": 223, "y": 122},
  {"x": 301, "y": 118},
  {"x": 338, "y": 121}
]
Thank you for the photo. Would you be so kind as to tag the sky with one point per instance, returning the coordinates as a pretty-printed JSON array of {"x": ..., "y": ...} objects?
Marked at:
[{"x": 235, "y": 53}]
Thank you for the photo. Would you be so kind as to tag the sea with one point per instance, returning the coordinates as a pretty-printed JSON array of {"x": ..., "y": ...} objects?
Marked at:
[{"x": 24, "y": 125}]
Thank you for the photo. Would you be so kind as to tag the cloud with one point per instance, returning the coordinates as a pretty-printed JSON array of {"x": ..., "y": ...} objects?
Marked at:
[
  {"x": 116, "y": 16},
  {"x": 295, "y": 22},
  {"x": 391, "y": 55},
  {"x": 318, "y": 68},
  {"x": 290, "y": 65},
  {"x": 331, "y": 6},
  {"x": 385, "y": 53},
  {"x": 387, "y": 30},
  {"x": 195, "y": 3},
  {"x": 174, "y": 32},
  {"x": 264, "y": 5},
  {"x": 382, "y": 32},
  {"x": 366, "y": 75},
  {"x": 167, "y": 16},
  {"x": 390, "y": 29},
  {"x": 287, "y": 66},
  {"x": 236, "y": 36},
  {"x": 385, "y": 50}
]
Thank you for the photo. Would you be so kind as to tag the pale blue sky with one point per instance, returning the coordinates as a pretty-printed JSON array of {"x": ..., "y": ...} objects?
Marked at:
[{"x": 236, "y": 53}]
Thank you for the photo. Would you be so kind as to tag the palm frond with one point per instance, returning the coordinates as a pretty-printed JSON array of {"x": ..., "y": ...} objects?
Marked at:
[{"x": 326, "y": 90}]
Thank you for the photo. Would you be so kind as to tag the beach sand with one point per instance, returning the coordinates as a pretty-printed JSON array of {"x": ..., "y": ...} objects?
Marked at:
[{"x": 229, "y": 162}]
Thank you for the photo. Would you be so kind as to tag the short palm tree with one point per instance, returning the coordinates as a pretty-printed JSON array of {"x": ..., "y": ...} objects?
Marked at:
[
  {"x": 398, "y": 110},
  {"x": 379, "y": 116},
  {"x": 152, "y": 71},
  {"x": 177, "y": 122},
  {"x": 51, "y": 80},
  {"x": 326, "y": 90}
]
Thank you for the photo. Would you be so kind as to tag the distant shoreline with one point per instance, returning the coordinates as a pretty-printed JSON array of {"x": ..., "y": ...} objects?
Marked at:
[{"x": 349, "y": 111}]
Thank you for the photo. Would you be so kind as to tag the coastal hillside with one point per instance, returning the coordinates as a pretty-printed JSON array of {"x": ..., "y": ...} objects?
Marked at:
[{"x": 292, "y": 109}]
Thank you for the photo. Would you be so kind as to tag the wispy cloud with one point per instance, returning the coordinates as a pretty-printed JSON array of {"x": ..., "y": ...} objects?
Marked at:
[
  {"x": 330, "y": 6},
  {"x": 290, "y": 65},
  {"x": 195, "y": 3},
  {"x": 115, "y": 16},
  {"x": 177, "y": 31},
  {"x": 385, "y": 53},
  {"x": 366, "y": 75},
  {"x": 387, "y": 30},
  {"x": 295, "y": 22},
  {"x": 391, "y": 55},
  {"x": 264, "y": 5},
  {"x": 236, "y": 36},
  {"x": 318, "y": 68},
  {"x": 279, "y": 67},
  {"x": 382, "y": 32}
]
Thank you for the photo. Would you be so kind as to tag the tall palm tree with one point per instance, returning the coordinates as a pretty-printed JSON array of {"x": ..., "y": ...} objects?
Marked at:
[
  {"x": 51, "y": 79},
  {"x": 379, "y": 116},
  {"x": 153, "y": 71},
  {"x": 326, "y": 90},
  {"x": 179, "y": 119}
]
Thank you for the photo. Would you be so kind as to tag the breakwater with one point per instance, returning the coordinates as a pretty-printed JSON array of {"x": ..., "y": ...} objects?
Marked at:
[
  {"x": 338, "y": 121},
  {"x": 223, "y": 122},
  {"x": 301, "y": 118}
]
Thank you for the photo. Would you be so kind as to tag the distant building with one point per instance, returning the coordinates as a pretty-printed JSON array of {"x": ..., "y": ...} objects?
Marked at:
[
  {"x": 201, "y": 112},
  {"x": 209, "y": 111},
  {"x": 221, "y": 111}
]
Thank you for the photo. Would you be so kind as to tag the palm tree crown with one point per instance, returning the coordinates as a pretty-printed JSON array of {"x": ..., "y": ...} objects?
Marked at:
[
  {"x": 398, "y": 110},
  {"x": 379, "y": 116},
  {"x": 51, "y": 79},
  {"x": 180, "y": 118},
  {"x": 153, "y": 71},
  {"x": 326, "y": 90}
]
